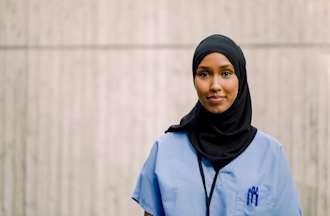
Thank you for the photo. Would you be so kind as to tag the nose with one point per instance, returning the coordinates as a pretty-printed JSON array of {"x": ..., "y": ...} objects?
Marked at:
[{"x": 215, "y": 84}]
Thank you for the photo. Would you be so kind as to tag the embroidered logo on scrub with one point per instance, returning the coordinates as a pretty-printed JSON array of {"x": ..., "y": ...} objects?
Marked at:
[{"x": 252, "y": 196}]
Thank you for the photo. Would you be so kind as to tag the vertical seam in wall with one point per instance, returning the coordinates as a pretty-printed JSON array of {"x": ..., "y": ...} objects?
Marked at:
[
  {"x": 3, "y": 113},
  {"x": 26, "y": 111},
  {"x": 93, "y": 190}
]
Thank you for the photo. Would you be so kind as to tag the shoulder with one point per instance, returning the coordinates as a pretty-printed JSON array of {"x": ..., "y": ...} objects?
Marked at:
[
  {"x": 172, "y": 136},
  {"x": 168, "y": 146},
  {"x": 172, "y": 140},
  {"x": 263, "y": 139},
  {"x": 173, "y": 147},
  {"x": 264, "y": 148},
  {"x": 262, "y": 159}
]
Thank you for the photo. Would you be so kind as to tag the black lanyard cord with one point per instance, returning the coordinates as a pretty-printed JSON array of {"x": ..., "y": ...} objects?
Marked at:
[{"x": 207, "y": 198}]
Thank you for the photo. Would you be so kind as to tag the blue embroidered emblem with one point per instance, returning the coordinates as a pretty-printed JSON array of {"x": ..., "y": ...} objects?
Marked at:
[{"x": 252, "y": 195}]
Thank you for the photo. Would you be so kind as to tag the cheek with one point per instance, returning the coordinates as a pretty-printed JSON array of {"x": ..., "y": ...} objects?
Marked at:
[
  {"x": 232, "y": 89},
  {"x": 200, "y": 86}
]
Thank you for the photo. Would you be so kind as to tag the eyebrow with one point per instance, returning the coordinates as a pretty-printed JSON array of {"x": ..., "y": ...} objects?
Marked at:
[{"x": 222, "y": 67}]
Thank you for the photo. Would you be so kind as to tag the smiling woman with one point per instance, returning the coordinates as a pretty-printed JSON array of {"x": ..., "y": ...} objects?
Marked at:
[
  {"x": 215, "y": 162},
  {"x": 216, "y": 83}
]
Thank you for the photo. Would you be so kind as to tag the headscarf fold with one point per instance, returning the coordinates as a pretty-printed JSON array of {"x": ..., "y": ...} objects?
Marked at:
[{"x": 220, "y": 137}]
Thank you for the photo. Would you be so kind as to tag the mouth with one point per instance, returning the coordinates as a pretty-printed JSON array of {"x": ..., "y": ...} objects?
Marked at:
[{"x": 216, "y": 99}]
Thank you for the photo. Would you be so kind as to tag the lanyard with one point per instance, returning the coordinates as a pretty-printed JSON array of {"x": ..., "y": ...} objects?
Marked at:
[{"x": 207, "y": 198}]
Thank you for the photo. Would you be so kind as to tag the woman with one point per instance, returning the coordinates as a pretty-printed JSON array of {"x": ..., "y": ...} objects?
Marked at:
[{"x": 215, "y": 162}]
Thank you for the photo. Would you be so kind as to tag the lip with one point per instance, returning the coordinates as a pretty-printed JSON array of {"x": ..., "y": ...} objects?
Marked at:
[{"x": 216, "y": 99}]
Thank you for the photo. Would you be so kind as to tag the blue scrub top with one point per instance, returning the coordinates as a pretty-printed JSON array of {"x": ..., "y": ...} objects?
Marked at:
[{"x": 257, "y": 182}]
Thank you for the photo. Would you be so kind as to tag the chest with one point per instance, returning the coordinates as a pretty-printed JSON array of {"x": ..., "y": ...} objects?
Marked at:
[{"x": 245, "y": 187}]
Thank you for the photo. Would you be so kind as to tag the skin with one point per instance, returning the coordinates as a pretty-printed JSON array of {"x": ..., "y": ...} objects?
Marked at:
[{"x": 216, "y": 83}]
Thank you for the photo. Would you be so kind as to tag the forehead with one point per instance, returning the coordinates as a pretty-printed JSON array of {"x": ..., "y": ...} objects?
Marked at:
[{"x": 215, "y": 59}]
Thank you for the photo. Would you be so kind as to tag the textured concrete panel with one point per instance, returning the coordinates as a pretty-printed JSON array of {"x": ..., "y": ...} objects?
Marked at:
[
  {"x": 12, "y": 131},
  {"x": 168, "y": 22},
  {"x": 93, "y": 116},
  {"x": 13, "y": 22},
  {"x": 61, "y": 147},
  {"x": 175, "y": 22},
  {"x": 62, "y": 22}
]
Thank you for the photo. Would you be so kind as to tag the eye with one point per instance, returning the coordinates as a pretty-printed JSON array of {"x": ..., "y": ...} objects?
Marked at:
[
  {"x": 226, "y": 74},
  {"x": 203, "y": 74}
]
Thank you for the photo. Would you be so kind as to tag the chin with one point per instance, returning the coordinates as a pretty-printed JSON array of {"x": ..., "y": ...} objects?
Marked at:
[{"x": 216, "y": 110}]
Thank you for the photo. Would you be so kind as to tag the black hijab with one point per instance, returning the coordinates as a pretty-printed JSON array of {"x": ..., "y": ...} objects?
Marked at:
[{"x": 220, "y": 137}]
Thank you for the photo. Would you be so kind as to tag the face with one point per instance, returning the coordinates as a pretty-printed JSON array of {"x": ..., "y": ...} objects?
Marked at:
[{"x": 216, "y": 83}]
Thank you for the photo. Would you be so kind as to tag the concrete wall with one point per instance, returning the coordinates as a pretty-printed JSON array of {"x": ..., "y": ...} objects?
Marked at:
[{"x": 87, "y": 86}]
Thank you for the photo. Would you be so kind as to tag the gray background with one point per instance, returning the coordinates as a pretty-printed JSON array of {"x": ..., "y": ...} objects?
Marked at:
[{"x": 87, "y": 86}]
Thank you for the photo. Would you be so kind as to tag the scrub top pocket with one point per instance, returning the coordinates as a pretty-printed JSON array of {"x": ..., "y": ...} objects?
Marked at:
[{"x": 255, "y": 200}]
